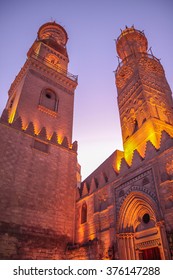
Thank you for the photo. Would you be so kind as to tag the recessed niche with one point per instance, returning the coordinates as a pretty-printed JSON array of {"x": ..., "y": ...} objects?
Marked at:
[
  {"x": 48, "y": 95},
  {"x": 146, "y": 218}
]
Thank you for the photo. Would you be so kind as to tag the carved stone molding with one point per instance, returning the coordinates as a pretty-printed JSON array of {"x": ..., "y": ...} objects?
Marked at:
[
  {"x": 149, "y": 243},
  {"x": 125, "y": 235},
  {"x": 135, "y": 179},
  {"x": 44, "y": 78},
  {"x": 47, "y": 111},
  {"x": 133, "y": 185}
]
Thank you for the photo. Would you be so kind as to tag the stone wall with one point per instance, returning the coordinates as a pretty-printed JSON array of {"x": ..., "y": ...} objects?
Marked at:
[
  {"x": 37, "y": 193},
  {"x": 29, "y": 243}
]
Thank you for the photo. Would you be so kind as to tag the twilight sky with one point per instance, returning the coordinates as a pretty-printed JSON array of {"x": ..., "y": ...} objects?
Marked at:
[{"x": 92, "y": 26}]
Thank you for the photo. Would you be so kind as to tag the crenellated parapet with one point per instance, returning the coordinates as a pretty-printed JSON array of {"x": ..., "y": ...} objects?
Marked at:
[
  {"x": 100, "y": 178},
  {"x": 42, "y": 135},
  {"x": 39, "y": 171}
]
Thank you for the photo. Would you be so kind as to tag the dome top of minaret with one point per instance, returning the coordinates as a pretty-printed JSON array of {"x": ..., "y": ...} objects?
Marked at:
[
  {"x": 53, "y": 31},
  {"x": 131, "y": 41}
]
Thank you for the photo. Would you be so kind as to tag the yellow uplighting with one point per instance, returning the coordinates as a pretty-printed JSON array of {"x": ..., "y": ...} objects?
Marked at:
[
  {"x": 118, "y": 157},
  {"x": 11, "y": 116},
  {"x": 60, "y": 138},
  {"x": 81, "y": 234},
  {"x": 150, "y": 131},
  {"x": 12, "y": 110}
]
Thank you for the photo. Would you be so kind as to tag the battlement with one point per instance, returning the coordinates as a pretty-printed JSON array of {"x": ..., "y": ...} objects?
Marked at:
[
  {"x": 30, "y": 130},
  {"x": 107, "y": 172}
]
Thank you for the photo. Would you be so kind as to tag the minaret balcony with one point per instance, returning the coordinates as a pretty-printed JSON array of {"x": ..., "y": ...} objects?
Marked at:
[
  {"x": 54, "y": 66},
  {"x": 135, "y": 57}
]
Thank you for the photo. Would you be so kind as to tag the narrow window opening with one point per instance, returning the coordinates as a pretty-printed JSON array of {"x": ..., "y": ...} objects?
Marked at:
[
  {"x": 84, "y": 213},
  {"x": 146, "y": 218},
  {"x": 49, "y": 100},
  {"x": 48, "y": 95},
  {"x": 135, "y": 126}
]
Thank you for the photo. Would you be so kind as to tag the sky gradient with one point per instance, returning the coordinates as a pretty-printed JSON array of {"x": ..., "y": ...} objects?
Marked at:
[{"x": 92, "y": 27}]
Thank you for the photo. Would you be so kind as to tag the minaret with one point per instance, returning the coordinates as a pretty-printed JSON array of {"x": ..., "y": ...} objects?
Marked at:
[
  {"x": 46, "y": 102},
  {"x": 38, "y": 161},
  {"x": 144, "y": 96}
]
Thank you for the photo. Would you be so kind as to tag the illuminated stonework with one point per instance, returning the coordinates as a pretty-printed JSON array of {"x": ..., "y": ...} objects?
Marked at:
[
  {"x": 136, "y": 183},
  {"x": 38, "y": 161},
  {"x": 124, "y": 209},
  {"x": 144, "y": 96}
]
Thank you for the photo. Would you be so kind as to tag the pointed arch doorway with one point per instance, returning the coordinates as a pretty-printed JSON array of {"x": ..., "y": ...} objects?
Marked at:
[{"x": 140, "y": 233}]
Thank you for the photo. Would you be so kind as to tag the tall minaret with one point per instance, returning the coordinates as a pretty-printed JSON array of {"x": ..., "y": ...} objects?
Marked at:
[
  {"x": 144, "y": 96},
  {"x": 45, "y": 101},
  {"x": 38, "y": 161}
]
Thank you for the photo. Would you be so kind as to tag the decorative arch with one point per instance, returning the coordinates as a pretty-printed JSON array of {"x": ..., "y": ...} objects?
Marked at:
[
  {"x": 11, "y": 101},
  {"x": 125, "y": 128},
  {"x": 140, "y": 231},
  {"x": 53, "y": 59},
  {"x": 136, "y": 127},
  {"x": 49, "y": 99},
  {"x": 133, "y": 208},
  {"x": 84, "y": 213}
]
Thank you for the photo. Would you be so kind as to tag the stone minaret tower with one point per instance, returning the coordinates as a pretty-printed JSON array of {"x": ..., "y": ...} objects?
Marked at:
[
  {"x": 38, "y": 161},
  {"x": 144, "y": 96},
  {"x": 47, "y": 102}
]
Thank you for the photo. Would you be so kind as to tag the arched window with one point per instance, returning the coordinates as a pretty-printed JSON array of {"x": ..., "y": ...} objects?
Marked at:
[
  {"x": 84, "y": 213},
  {"x": 11, "y": 102},
  {"x": 49, "y": 100},
  {"x": 135, "y": 126}
]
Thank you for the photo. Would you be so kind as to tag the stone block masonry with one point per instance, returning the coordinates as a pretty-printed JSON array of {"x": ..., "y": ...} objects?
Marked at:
[{"x": 37, "y": 194}]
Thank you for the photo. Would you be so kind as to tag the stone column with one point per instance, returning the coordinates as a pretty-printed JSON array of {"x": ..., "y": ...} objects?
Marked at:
[
  {"x": 127, "y": 239},
  {"x": 132, "y": 247},
  {"x": 121, "y": 247},
  {"x": 126, "y": 246},
  {"x": 164, "y": 248}
]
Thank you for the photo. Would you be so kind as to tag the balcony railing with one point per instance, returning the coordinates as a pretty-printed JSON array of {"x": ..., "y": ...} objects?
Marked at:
[
  {"x": 58, "y": 69},
  {"x": 129, "y": 30},
  {"x": 135, "y": 55}
]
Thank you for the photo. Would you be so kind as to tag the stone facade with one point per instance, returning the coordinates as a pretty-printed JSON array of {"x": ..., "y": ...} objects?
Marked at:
[
  {"x": 129, "y": 198},
  {"x": 124, "y": 209},
  {"x": 37, "y": 158}
]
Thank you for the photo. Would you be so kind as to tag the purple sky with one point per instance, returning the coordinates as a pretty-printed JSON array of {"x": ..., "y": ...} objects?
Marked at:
[{"x": 92, "y": 27}]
